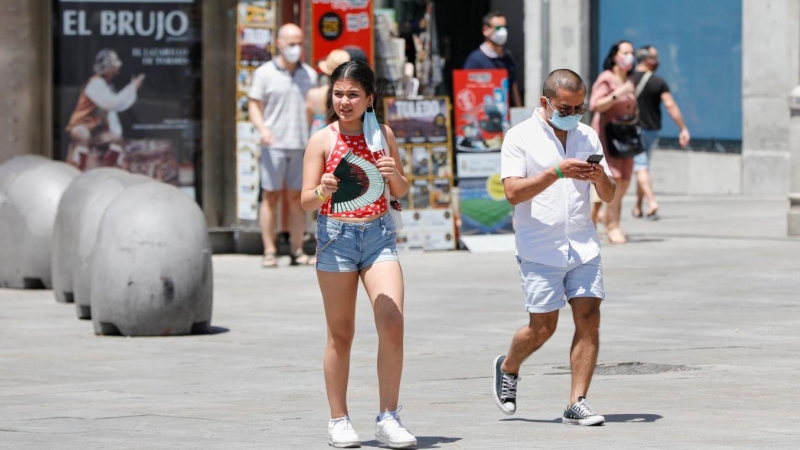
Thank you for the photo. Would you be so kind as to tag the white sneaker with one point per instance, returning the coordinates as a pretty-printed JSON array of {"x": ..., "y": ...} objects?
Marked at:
[
  {"x": 391, "y": 432},
  {"x": 341, "y": 433}
]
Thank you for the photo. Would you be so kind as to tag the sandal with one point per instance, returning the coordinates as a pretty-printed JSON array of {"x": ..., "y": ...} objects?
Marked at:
[
  {"x": 301, "y": 259},
  {"x": 270, "y": 260},
  {"x": 636, "y": 213},
  {"x": 616, "y": 236}
]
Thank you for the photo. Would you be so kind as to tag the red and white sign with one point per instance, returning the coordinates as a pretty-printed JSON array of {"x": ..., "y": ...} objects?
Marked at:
[
  {"x": 481, "y": 109},
  {"x": 342, "y": 24}
]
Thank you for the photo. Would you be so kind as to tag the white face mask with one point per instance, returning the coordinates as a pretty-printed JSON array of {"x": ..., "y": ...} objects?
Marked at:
[
  {"x": 292, "y": 53},
  {"x": 500, "y": 36}
]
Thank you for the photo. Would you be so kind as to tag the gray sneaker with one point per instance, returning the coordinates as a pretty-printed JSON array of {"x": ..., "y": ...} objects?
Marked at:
[
  {"x": 504, "y": 388},
  {"x": 580, "y": 413}
]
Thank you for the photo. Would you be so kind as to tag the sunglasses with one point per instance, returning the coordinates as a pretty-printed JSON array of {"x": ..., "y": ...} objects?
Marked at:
[{"x": 568, "y": 111}]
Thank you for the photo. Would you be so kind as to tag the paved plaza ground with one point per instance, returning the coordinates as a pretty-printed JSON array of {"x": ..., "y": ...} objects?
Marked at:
[{"x": 708, "y": 298}]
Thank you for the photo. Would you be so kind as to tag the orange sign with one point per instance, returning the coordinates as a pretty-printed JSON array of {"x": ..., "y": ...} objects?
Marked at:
[{"x": 343, "y": 24}]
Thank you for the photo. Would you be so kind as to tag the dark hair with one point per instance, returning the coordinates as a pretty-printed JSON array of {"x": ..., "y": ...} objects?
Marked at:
[
  {"x": 352, "y": 70},
  {"x": 562, "y": 79},
  {"x": 609, "y": 63},
  {"x": 487, "y": 19},
  {"x": 643, "y": 53}
]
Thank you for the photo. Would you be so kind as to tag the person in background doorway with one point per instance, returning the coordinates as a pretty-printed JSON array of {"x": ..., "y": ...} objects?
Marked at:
[
  {"x": 277, "y": 109},
  {"x": 493, "y": 55},
  {"x": 613, "y": 98},
  {"x": 652, "y": 94},
  {"x": 317, "y": 99}
]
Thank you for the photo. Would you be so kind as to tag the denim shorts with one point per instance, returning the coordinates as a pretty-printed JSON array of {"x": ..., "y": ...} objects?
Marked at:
[
  {"x": 547, "y": 288},
  {"x": 642, "y": 160},
  {"x": 352, "y": 247}
]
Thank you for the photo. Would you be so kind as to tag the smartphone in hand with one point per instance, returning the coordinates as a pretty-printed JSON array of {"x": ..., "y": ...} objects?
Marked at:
[{"x": 595, "y": 159}]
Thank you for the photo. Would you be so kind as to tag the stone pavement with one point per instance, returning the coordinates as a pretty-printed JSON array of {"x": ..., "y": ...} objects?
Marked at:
[{"x": 707, "y": 297}]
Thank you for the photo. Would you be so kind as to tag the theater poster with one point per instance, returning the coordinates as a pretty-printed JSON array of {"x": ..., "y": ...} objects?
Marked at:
[
  {"x": 345, "y": 24},
  {"x": 481, "y": 109},
  {"x": 127, "y": 86}
]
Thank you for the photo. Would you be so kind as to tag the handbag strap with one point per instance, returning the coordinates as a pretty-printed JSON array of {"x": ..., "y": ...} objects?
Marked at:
[{"x": 643, "y": 82}]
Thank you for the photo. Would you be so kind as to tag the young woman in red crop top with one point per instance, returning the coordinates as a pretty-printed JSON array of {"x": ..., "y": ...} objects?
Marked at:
[{"x": 356, "y": 238}]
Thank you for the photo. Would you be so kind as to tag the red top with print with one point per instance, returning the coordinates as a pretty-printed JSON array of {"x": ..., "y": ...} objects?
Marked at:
[{"x": 357, "y": 145}]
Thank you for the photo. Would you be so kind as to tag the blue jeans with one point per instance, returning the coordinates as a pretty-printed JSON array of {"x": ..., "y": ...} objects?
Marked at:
[
  {"x": 351, "y": 247},
  {"x": 642, "y": 160}
]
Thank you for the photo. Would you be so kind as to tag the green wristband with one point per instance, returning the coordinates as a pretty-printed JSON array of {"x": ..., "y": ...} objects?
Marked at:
[{"x": 558, "y": 172}]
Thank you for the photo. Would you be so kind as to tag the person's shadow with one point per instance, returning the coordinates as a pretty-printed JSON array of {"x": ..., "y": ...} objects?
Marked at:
[
  {"x": 610, "y": 418},
  {"x": 422, "y": 442}
]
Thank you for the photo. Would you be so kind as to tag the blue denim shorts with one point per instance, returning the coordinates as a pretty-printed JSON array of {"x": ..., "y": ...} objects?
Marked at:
[
  {"x": 352, "y": 247},
  {"x": 548, "y": 288}
]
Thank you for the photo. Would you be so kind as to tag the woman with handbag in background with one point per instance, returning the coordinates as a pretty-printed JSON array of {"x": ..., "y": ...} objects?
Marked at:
[
  {"x": 347, "y": 169},
  {"x": 613, "y": 101}
]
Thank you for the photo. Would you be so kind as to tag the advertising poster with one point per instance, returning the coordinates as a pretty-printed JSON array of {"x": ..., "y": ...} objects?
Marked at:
[
  {"x": 422, "y": 129},
  {"x": 484, "y": 208},
  {"x": 481, "y": 109},
  {"x": 344, "y": 24},
  {"x": 127, "y": 86},
  {"x": 255, "y": 44},
  {"x": 419, "y": 121}
]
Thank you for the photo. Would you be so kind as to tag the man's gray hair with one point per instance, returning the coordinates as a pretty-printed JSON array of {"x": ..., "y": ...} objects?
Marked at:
[
  {"x": 103, "y": 61},
  {"x": 643, "y": 53},
  {"x": 562, "y": 79}
]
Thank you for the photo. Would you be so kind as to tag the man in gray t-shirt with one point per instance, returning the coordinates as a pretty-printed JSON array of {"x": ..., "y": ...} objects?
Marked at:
[{"x": 277, "y": 109}]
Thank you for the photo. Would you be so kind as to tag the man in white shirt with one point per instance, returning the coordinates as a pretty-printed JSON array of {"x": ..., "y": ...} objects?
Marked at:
[
  {"x": 94, "y": 127},
  {"x": 547, "y": 177},
  {"x": 277, "y": 109}
]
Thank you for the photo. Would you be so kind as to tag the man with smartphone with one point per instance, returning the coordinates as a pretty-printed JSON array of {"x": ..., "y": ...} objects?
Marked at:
[{"x": 548, "y": 164}]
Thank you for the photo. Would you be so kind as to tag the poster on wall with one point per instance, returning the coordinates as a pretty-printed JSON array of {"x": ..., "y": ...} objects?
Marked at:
[
  {"x": 127, "y": 86},
  {"x": 481, "y": 109},
  {"x": 422, "y": 129},
  {"x": 345, "y": 24},
  {"x": 255, "y": 45}
]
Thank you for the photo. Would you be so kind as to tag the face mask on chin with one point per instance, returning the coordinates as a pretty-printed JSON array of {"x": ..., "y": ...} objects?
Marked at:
[
  {"x": 499, "y": 37},
  {"x": 292, "y": 53}
]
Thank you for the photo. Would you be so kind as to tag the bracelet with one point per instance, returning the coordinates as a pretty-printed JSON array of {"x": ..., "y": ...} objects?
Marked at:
[
  {"x": 318, "y": 193},
  {"x": 558, "y": 172}
]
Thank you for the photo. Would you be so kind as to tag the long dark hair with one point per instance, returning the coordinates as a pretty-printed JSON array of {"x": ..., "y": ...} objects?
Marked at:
[
  {"x": 355, "y": 70},
  {"x": 609, "y": 63}
]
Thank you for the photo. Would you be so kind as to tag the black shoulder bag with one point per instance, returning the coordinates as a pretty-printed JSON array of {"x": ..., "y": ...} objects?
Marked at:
[{"x": 624, "y": 136}]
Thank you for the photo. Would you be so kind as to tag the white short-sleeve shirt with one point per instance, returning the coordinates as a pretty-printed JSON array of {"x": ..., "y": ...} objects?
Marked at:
[{"x": 560, "y": 216}]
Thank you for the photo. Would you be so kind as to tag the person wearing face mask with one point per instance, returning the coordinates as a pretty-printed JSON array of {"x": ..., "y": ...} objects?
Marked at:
[
  {"x": 546, "y": 177},
  {"x": 613, "y": 99},
  {"x": 492, "y": 54},
  {"x": 654, "y": 92},
  {"x": 277, "y": 110}
]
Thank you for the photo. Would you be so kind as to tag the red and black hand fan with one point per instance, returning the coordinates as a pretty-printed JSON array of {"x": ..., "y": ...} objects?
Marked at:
[{"x": 360, "y": 184}]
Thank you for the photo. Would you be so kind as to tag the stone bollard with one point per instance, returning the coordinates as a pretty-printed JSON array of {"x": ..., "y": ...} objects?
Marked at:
[
  {"x": 151, "y": 271},
  {"x": 794, "y": 175},
  {"x": 77, "y": 220},
  {"x": 31, "y": 190}
]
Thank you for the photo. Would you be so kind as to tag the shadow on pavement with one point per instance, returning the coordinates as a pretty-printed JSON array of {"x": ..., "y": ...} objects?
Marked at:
[
  {"x": 610, "y": 418},
  {"x": 422, "y": 442}
]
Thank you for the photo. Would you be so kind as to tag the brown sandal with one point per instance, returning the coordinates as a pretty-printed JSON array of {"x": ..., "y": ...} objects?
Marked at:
[
  {"x": 269, "y": 261},
  {"x": 616, "y": 236}
]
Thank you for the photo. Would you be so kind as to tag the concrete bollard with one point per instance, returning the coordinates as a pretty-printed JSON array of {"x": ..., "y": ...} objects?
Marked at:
[
  {"x": 151, "y": 270},
  {"x": 31, "y": 191},
  {"x": 793, "y": 216},
  {"x": 87, "y": 238},
  {"x": 77, "y": 220}
]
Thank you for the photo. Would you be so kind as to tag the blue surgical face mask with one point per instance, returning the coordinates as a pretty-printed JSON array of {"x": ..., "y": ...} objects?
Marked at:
[
  {"x": 372, "y": 132},
  {"x": 565, "y": 123}
]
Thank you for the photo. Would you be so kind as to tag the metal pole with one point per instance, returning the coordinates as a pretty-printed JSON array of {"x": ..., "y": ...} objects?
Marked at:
[{"x": 794, "y": 148}]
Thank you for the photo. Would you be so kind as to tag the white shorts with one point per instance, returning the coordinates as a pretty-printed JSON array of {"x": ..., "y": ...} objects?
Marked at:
[{"x": 547, "y": 288}]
